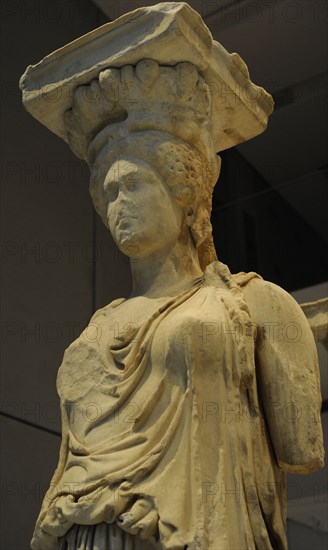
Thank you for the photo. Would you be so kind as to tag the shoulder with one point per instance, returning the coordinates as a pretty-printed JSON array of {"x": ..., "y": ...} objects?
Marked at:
[
  {"x": 106, "y": 310},
  {"x": 269, "y": 305},
  {"x": 257, "y": 289},
  {"x": 269, "y": 302}
]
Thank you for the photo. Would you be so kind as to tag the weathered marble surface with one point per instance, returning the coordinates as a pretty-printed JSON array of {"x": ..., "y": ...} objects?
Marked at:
[
  {"x": 169, "y": 33},
  {"x": 184, "y": 405}
]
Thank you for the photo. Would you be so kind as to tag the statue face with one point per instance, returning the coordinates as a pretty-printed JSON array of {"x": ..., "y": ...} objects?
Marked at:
[{"x": 141, "y": 214}]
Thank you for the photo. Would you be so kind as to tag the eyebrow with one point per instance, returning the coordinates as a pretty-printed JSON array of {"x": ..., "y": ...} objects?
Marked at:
[{"x": 117, "y": 177}]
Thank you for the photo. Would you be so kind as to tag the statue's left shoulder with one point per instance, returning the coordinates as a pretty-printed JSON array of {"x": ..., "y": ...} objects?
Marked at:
[{"x": 269, "y": 302}]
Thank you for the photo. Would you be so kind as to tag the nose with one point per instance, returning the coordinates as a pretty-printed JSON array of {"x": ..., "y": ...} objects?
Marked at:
[
  {"x": 122, "y": 198},
  {"x": 112, "y": 193},
  {"x": 120, "y": 205}
]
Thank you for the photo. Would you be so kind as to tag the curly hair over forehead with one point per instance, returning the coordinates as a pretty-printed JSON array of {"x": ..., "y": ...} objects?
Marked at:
[{"x": 189, "y": 175}]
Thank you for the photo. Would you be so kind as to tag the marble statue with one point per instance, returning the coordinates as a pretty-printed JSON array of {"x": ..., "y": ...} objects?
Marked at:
[{"x": 179, "y": 427}]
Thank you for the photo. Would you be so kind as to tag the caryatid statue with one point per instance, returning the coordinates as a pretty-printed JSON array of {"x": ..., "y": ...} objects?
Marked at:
[{"x": 203, "y": 401}]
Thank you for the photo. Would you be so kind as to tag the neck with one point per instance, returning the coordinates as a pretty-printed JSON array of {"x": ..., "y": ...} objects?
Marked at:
[{"x": 165, "y": 272}]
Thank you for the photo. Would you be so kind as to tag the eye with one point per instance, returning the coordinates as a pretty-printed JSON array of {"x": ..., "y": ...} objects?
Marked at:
[
  {"x": 131, "y": 183},
  {"x": 111, "y": 190}
]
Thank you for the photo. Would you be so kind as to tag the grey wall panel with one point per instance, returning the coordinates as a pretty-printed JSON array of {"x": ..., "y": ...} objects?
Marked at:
[
  {"x": 28, "y": 460},
  {"x": 47, "y": 284},
  {"x": 302, "y": 537},
  {"x": 47, "y": 219},
  {"x": 112, "y": 269}
]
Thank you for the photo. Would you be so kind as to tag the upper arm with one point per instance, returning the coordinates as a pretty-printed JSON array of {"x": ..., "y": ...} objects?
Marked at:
[{"x": 287, "y": 376}]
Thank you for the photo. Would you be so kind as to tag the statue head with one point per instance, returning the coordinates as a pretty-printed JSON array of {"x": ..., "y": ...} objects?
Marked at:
[
  {"x": 182, "y": 169},
  {"x": 150, "y": 74},
  {"x": 155, "y": 115}
]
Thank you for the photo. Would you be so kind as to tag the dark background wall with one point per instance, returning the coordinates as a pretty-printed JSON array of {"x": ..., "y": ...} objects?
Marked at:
[{"x": 59, "y": 264}]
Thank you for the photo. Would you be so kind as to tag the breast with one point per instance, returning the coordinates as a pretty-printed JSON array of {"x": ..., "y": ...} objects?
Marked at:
[
  {"x": 82, "y": 368},
  {"x": 193, "y": 334}
]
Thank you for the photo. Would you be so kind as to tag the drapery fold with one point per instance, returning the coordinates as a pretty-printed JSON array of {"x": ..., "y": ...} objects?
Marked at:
[{"x": 165, "y": 434}]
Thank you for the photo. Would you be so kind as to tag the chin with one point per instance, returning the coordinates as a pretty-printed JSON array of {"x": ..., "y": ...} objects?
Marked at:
[{"x": 128, "y": 246}]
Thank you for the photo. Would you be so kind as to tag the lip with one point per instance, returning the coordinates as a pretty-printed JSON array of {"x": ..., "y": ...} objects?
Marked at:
[{"x": 124, "y": 218}]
